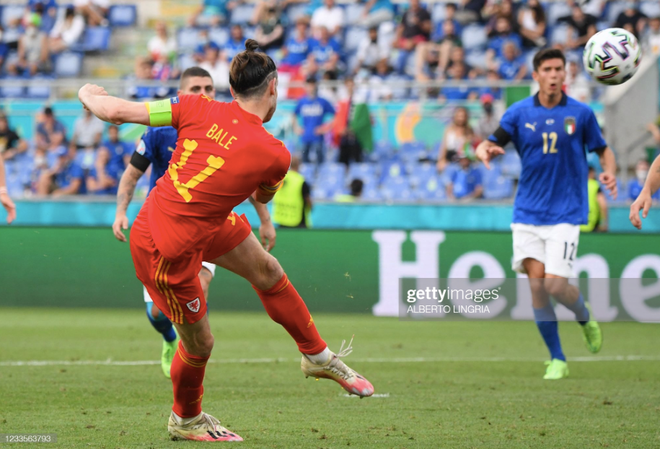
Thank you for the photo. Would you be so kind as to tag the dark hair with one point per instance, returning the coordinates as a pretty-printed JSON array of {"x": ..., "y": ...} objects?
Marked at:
[
  {"x": 48, "y": 111},
  {"x": 546, "y": 54},
  {"x": 195, "y": 71},
  {"x": 250, "y": 72},
  {"x": 539, "y": 13},
  {"x": 356, "y": 187}
]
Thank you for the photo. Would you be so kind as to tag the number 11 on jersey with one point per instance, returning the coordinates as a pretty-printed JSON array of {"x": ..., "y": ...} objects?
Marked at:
[{"x": 214, "y": 163}]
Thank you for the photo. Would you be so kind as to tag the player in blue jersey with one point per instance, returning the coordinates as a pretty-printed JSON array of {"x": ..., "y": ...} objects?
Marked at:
[
  {"x": 155, "y": 149},
  {"x": 552, "y": 133}
]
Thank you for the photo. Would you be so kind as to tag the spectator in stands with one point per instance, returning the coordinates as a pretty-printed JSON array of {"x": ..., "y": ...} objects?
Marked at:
[
  {"x": 414, "y": 28},
  {"x": 577, "y": 84},
  {"x": 370, "y": 51},
  {"x": 202, "y": 41},
  {"x": 87, "y": 131},
  {"x": 457, "y": 140},
  {"x": 469, "y": 11},
  {"x": 51, "y": 133},
  {"x": 215, "y": 62},
  {"x": 466, "y": 183},
  {"x": 32, "y": 51},
  {"x": 103, "y": 178},
  {"x": 497, "y": 9},
  {"x": 270, "y": 32},
  {"x": 10, "y": 142},
  {"x": 312, "y": 111},
  {"x": 651, "y": 37},
  {"x": 489, "y": 121},
  {"x": 120, "y": 152},
  {"x": 212, "y": 12},
  {"x": 501, "y": 34},
  {"x": 297, "y": 47},
  {"x": 94, "y": 11},
  {"x": 292, "y": 204},
  {"x": 379, "y": 86},
  {"x": 357, "y": 185},
  {"x": 329, "y": 16},
  {"x": 512, "y": 66},
  {"x": 236, "y": 42},
  {"x": 429, "y": 56},
  {"x": 143, "y": 72},
  {"x": 46, "y": 10},
  {"x": 456, "y": 56},
  {"x": 162, "y": 44},
  {"x": 631, "y": 19},
  {"x": 492, "y": 77},
  {"x": 457, "y": 72},
  {"x": 377, "y": 12},
  {"x": 581, "y": 28},
  {"x": 532, "y": 24},
  {"x": 325, "y": 53},
  {"x": 64, "y": 178},
  {"x": 67, "y": 31},
  {"x": 48, "y": 6},
  {"x": 12, "y": 33},
  {"x": 636, "y": 185},
  {"x": 4, "y": 48}
]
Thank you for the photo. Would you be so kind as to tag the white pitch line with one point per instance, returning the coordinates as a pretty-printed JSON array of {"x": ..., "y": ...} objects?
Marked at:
[{"x": 110, "y": 362}]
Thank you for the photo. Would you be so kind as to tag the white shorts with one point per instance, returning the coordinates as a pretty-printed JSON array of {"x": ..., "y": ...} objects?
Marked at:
[
  {"x": 555, "y": 246},
  {"x": 207, "y": 265}
]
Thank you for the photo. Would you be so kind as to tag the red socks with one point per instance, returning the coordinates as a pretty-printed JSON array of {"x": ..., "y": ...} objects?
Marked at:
[
  {"x": 285, "y": 306},
  {"x": 187, "y": 376}
]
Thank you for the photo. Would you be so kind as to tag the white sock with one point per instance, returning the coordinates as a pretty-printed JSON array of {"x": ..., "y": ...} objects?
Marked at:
[
  {"x": 320, "y": 358},
  {"x": 184, "y": 421}
]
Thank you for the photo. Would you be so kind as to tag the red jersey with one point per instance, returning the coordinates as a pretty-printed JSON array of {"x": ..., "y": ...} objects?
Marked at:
[{"x": 223, "y": 154}]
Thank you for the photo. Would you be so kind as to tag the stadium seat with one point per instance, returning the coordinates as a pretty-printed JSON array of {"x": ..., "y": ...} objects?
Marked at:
[
  {"x": 39, "y": 87},
  {"x": 439, "y": 12},
  {"x": 187, "y": 39},
  {"x": 354, "y": 35},
  {"x": 559, "y": 34},
  {"x": 219, "y": 36},
  {"x": 242, "y": 14},
  {"x": 497, "y": 187},
  {"x": 614, "y": 9},
  {"x": 372, "y": 194},
  {"x": 419, "y": 174},
  {"x": 392, "y": 169},
  {"x": 308, "y": 172},
  {"x": 474, "y": 37},
  {"x": 68, "y": 64},
  {"x": 432, "y": 189},
  {"x": 650, "y": 8},
  {"x": 397, "y": 188},
  {"x": 294, "y": 12},
  {"x": 331, "y": 169},
  {"x": 557, "y": 10},
  {"x": 186, "y": 61},
  {"x": 361, "y": 171},
  {"x": 11, "y": 12},
  {"x": 12, "y": 91},
  {"x": 353, "y": 13},
  {"x": 122, "y": 15},
  {"x": 511, "y": 164},
  {"x": 96, "y": 39},
  {"x": 476, "y": 58}
]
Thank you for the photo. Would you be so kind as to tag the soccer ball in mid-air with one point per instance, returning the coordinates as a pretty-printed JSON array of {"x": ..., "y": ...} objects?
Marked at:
[{"x": 612, "y": 56}]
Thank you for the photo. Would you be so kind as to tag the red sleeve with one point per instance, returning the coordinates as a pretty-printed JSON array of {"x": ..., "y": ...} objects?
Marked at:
[
  {"x": 186, "y": 108},
  {"x": 276, "y": 173}
]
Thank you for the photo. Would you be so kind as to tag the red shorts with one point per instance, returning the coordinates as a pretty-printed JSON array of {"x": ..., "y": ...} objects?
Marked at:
[{"x": 174, "y": 284}]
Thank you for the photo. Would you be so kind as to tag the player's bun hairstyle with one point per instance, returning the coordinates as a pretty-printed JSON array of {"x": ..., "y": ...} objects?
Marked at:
[
  {"x": 546, "y": 54},
  {"x": 250, "y": 71}
]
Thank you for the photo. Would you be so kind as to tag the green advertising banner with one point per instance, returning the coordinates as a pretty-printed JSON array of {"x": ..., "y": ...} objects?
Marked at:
[{"x": 334, "y": 271}]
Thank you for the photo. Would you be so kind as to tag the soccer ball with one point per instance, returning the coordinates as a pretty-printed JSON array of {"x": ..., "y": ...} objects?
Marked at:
[{"x": 612, "y": 56}]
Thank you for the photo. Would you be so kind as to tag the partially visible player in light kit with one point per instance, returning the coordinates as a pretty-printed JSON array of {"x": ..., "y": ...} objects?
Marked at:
[
  {"x": 155, "y": 149},
  {"x": 6, "y": 202},
  {"x": 644, "y": 201},
  {"x": 552, "y": 133},
  {"x": 223, "y": 156}
]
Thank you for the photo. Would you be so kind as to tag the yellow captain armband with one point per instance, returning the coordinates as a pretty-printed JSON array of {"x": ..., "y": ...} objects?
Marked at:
[{"x": 160, "y": 112}]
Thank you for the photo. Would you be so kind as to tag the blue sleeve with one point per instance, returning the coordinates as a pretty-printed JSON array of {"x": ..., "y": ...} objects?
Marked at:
[
  {"x": 298, "y": 107},
  {"x": 92, "y": 173},
  {"x": 148, "y": 145},
  {"x": 478, "y": 177},
  {"x": 593, "y": 138},
  {"x": 508, "y": 123},
  {"x": 327, "y": 107},
  {"x": 76, "y": 171}
]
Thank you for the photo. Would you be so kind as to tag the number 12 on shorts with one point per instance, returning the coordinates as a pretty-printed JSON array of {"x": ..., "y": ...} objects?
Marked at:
[{"x": 569, "y": 250}]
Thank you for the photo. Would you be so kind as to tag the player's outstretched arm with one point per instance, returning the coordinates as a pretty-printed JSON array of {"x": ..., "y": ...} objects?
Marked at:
[
  {"x": 487, "y": 150},
  {"x": 6, "y": 202},
  {"x": 112, "y": 109},
  {"x": 266, "y": 229},
  {"x": 125, "y": 193},
  {"x": 644, "y": 200},
  {"x": 608, "y": 176}
]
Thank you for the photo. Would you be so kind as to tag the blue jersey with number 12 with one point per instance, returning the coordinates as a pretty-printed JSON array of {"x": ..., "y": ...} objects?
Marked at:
[
  {"x": 552, "y": 144},
  {"x": 157, "y": 145}
]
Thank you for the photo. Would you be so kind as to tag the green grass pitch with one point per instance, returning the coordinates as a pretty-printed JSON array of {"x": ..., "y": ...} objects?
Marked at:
[{"x": 440, "y": 384}]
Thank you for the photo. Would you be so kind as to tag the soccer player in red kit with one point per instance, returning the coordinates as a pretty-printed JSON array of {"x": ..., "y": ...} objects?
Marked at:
[{"x": 223, "y": 156}]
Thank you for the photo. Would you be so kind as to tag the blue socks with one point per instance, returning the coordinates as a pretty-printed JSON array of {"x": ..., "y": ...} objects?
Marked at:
[
  {"x": 580, "y": 310},
  {"x": 162, "y": 324},
  {"x": 546, "y": 321}
]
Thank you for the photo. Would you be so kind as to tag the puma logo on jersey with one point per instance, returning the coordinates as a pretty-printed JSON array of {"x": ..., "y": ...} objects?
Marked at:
[{"x": 532, "y": 127}]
